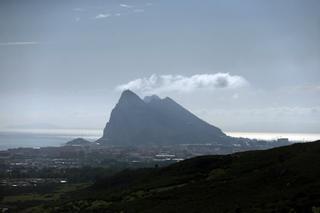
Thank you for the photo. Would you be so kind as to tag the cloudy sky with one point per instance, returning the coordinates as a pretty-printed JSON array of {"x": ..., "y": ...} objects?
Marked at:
[{"x": 249, "y": 65}]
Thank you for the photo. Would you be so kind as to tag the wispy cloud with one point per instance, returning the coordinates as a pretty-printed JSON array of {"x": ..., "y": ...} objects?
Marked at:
[
  {"x": 126, "y": 6},
  {"x": 311, "y": 87},
  {"x": 100, "y": 16},
  {"x": 179, "y": 83},
  {"x": 120, "y": 10},
  {"x": 16, "y": 43},
  {"x": 78, "y": 9},
  {"x": 138, "y": 10}
]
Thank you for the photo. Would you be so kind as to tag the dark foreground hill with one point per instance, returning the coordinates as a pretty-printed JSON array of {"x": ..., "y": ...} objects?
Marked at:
[{"x": 285, "y": 179}]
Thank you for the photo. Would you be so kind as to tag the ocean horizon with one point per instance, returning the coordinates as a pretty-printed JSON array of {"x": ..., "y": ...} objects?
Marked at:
[{"x": 14, "y": 138}]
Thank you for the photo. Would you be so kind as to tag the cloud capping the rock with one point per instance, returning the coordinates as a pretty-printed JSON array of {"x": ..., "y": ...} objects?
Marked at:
[{"x": 180, "y": 83}]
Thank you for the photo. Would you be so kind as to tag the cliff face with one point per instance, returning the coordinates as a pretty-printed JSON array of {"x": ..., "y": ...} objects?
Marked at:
[{"x": 156, "y": 121}]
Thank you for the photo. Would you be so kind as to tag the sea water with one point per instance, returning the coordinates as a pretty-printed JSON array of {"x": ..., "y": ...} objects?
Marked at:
[{"x": 13, "y": 138}]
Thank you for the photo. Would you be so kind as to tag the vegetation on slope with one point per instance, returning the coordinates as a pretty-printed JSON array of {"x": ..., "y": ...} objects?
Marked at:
[{"x": 285, "y": 179}]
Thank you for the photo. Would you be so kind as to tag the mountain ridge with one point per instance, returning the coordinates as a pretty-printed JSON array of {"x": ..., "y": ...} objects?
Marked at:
[{"x": 156, "y": 121}]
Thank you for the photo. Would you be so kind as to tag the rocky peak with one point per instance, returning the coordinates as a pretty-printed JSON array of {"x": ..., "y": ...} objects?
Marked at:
[
  {"x": 151, "y": 98},
  {"x": 156, "y": 121},
  {"x": 129, "y": 98}
]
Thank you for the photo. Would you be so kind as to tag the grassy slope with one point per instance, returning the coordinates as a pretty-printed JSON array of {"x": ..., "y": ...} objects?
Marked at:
[{"x": 276, "y": 180}]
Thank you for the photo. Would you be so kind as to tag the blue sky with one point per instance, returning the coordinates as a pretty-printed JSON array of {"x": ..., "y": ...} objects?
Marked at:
[{"x": 65, "y": 62}]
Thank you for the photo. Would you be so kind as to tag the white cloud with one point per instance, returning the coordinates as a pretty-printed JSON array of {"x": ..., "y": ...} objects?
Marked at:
[
  {"x": 100, "y": 16},
  {"x": 18, "y": 43},
  {"x": 126, "y": 6},
  {"x": 179, "y": 83}
]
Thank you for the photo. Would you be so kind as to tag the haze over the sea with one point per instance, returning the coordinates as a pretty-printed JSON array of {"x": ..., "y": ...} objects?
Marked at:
[{"x": 14, "y": 138}]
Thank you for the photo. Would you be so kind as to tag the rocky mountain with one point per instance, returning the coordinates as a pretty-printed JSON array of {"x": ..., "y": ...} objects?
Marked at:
[
  {"x": 79, "y": 142},
  {"x": 156, "y": 121}
]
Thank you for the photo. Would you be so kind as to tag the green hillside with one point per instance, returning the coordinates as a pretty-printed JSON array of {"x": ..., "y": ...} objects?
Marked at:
[{"x": 285, "y": 179}]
